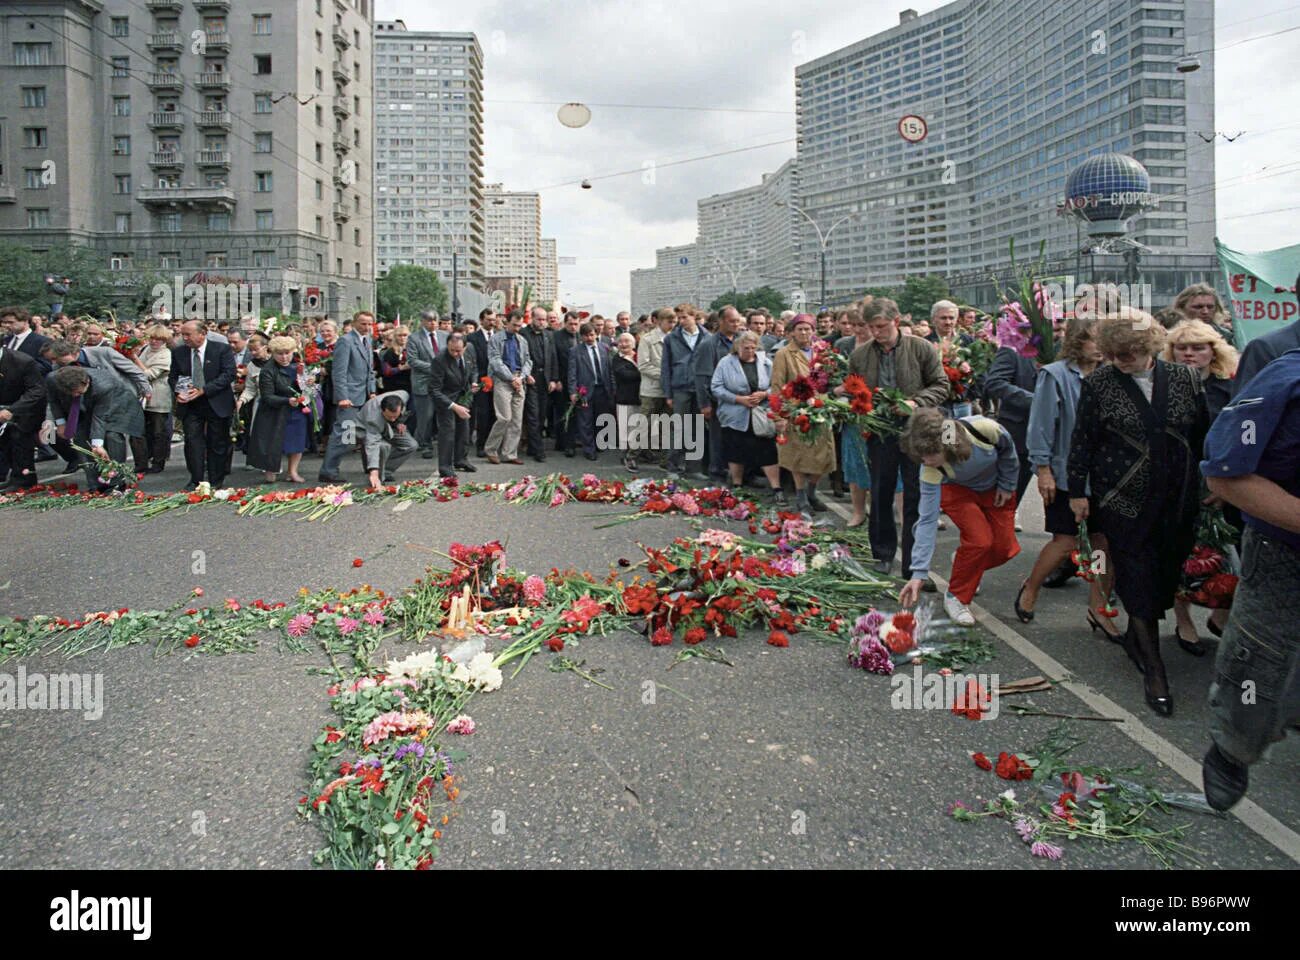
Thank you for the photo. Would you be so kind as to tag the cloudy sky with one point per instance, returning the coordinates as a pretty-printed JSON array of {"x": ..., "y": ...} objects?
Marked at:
[{"x": 630, "y": 59}]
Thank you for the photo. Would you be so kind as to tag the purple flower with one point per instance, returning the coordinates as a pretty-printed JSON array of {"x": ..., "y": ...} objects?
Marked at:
[
  {"x": 404, "y": 749},
  {"x": 1026, "y": 829},
  {"x": 875, "y": 659},
  {"x": 1050, "y": 851},
  {"x": 869, "y": 622}
]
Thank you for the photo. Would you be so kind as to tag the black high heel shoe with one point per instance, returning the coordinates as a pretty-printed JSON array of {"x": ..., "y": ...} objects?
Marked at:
[
  {"x": 1214, "y": 628},
  {"x": 1164, "y": 706},
  {"x": 1025, "y": 616},
  {"x": 1196, "y": 649}
]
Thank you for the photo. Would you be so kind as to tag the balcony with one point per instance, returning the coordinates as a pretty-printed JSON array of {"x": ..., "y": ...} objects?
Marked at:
[
  {"x": 341, "y": 39},
  {"x": 213, "y": 158},
  {"x": 187, "y": 198},
  {"x": 341, "y": 143},
  {"x": 341, "y": 108},
  {"x": 341, "y": 74},
  {"x": 166, "y": 81},
  {"x": 8, "y": 194},
  {"x": 341, "y": 213},
  {"x": 163, "y": 159},
  {"x": 212, "y": 6},
  {"x": 212, "y": 81},
  {"x": 170, "y": 120},
  {"x": 164, "y": 6},
  {"x": 216, "y": 41},
  {"x": 164, "y": 42},
  {"x": 219, "y": 119}
]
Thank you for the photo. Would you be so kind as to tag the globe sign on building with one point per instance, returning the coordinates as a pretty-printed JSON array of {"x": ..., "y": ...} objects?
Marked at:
[{"x": 1107, "y": 191}]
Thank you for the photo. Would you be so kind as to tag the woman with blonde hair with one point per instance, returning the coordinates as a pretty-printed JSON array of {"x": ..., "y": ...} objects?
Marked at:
[
  {"x": 155, "y": 358},
  {"x": 283, "y": 416},
  {"x": 1201, "y": 347},
  {"x": 1202, "y": 302},
  {"x": 1136, "y": 448}
]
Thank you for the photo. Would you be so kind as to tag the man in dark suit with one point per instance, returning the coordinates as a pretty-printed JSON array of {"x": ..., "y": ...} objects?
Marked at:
[
  {"x": 1010, "y": 381},
  {"x": 591, "y": 386},
  {"x": 453, "y": 378},
  {"x": 542, "y": 385},
  {"x": 22, "y": 408},
  {"x": 484, "y": 415},
  {"x": 565, "y": 339},
  {"x": 17, "y": 323},
  {"x": 208, "y": 406}
]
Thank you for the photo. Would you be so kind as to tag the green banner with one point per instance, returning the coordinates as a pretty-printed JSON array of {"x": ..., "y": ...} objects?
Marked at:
[{"x": 1262, "y": 289}]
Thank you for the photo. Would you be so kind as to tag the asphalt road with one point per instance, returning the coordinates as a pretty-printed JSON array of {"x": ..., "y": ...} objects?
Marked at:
[{"x": 787, "y": 759}]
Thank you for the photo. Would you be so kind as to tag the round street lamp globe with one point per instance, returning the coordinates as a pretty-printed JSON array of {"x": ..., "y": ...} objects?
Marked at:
[{"x": 574, "y": 115}]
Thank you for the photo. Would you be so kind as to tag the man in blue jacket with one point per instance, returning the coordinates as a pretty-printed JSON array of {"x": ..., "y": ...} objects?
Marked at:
[
  {"x": 707, "y": 357},
  {"x": 353, "y": 375},
  {"x": 677, "y": 377}
]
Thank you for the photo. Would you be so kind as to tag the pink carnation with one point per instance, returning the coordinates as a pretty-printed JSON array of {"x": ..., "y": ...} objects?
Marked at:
[
  {"x": 374, "y": 617},
  {"x": 558, "y": 499},
  {"x": 686, "y": 504},
  {"x": 300, "y": 625},
  {"x": 348, "y": 625},
  {"x": 462, "y": 725},
  {"x": 534, "y": 589}
]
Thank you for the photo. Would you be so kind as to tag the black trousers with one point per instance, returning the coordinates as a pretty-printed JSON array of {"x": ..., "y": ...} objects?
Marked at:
[
  {"x": 599, "y": 403},
  {"x": 536, "y": 410},
  {"x": 564, "y": 436},
  {"x": 485, "y": 416},
  {"x": 1019, "y": 436},
  {"x": 18, "y": 453},
  {"x": 207, "y": 442},
  {"x": 155, "y": 447},
  {"x": 453, "y": 441},
  {"x": 886, "y": 462}
]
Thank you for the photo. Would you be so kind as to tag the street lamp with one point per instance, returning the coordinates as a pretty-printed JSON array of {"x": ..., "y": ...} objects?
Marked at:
[
  {"x": 823, "y": 238},
  {"x": 734, "y": 274}
]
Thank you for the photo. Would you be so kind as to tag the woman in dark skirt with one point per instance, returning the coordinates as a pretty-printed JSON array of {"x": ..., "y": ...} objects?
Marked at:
[
  {"x": 283, "y": 421},
  {"x": 1136, "y": 447},
  {"x": 627, "y": 395},
  {"x": 741, "y": 383}
]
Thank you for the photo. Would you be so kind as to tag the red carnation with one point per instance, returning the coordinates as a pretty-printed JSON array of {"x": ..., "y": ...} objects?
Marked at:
[
  {"x": 662, "y": 637},
  {"x": 981, "y": 761},
  {"x": 358, "y": 562},
  {"x": 778, "y": 638},
  {"x": 556, "y": 644},
  {"x": 695, "y": 635},
  {"x": 193, "y": 640}
]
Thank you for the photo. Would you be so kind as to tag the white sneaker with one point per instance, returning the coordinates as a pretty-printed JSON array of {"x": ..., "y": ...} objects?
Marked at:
[{"x": 958, "y": 611}]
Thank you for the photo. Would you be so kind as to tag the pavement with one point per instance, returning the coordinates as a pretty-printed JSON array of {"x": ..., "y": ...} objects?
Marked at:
[{"x": 787, "y": 759}]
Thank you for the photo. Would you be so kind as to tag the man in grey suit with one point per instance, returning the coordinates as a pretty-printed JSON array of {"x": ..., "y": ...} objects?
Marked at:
[
  {"x": 97, "y": 409},
  {"x": 423, "y": 347},
  {"x": 387, "y": 443},
  {"x": 510, "y": 366},
  {"x": 353, "y": 375},
  {"x": 62, "y": 354}
]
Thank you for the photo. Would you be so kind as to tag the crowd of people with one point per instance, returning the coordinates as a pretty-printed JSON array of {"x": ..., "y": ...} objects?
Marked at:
[{"x": 1114, "y": 433}]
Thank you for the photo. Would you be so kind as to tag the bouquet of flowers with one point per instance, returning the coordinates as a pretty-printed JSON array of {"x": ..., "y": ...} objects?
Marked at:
[
  {"x": 1210, "y": 574},
  {"x": 807, "y": 413},
  {"x": 1027, "y": 318},
  {"x": 110, "y": 476},
  {"x": 127, "y": 344}
]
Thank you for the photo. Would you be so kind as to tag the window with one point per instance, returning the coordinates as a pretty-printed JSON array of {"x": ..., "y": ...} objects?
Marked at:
[
  {"x": 320, "y": 116},
  {"x": 320, "y": 262},
  {"x": 263, "y": 258},
  {"x": 121, "y": 27},
  {"x": 218, "y": 222},
  {"x": 122, "y": 223},
  {"x": 320, "y": 227},
  {"x": 356, "y": 268},
  {"x": 265, "y": 219},
  {"x": 32, "y": 54},
  {"x": 262, "y": 181},
  {"x": 262, "y": 64},
  {"x": 261, "y": 103},
  {"x": 33, "y": 179},
  {"x": 34, "y": 138},
  {"x": 119, "y": 261},
  {"x": 169, "y": 261},
  {"x": 33, "y": 96},
  {"x": 320, "y": 191},
  {"x": 320, "y": 153},
  {"x": 121, "y": 146},
  {"x": 122, "y": 183},
  {"x": 121, "y": 67},
  {"x": 320, "y": 80},
  {"x": 356, "y": 237},
  {"x": 216, "y": 259},
  {"x": 320, "y": 42},
  {"x": 338, "y": 266},
  {"x": 121, "y": 106},
  {"x": 261, "y": 143},
  {"x": 38, "y": 219},
  {"x": 169, "y": 222},
  {"x": 262, "y": 24}
]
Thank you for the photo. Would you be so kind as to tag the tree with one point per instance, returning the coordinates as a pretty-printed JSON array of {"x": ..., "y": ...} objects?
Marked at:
[
  {"x": 764, "y": 296},
  {"x": 95, "y": 289},
  {"x": 410, "y": 290},
  {"x": 916, "y": 295}
]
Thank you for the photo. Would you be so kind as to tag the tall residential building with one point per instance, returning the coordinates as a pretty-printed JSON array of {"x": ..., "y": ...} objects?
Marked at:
[
  {"x": 429, "y": 151},
  {"x": 644, "y": 294},
  {"x": 513, "y": 235},
  {"x": 677, "y": 276},
  {"x": 548, "y": 273},
  {"x": 1015, "y": 95},
  {"x": 747, "y": 238},
  {"x": 228, "y": 140}
]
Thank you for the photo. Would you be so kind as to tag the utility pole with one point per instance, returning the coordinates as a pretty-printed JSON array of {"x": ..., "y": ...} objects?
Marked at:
[{"x": 455, "y": 285}]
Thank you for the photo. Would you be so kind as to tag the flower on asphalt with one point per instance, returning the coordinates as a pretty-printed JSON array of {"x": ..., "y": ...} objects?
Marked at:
[
  {"x": 374, "y": 617},
  {"x": 301, "y": 625},
  {"x": 1026, "y": 829},
  {"x": 534, "y": 589},
  {"x": 1048, "y": 850},
  {"x": 348, "y": 625},
  {"x": 463, "y": 726}
]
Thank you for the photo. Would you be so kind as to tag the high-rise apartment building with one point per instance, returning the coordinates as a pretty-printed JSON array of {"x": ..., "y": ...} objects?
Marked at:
[
  {"x": 548, "y": 273},
  {"x": 513, "y": 236},
  {"x": 1015, "y": 94},
  {"x": 747, "y": 238},
  {"x": 678, "y": 275},
  {"x": 429, "y": 200},
  {"x": 645, "y": 293},
  {"x": 230, "y": 140}
]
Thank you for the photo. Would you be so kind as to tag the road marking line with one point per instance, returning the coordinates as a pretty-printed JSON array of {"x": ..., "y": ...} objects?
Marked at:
[{"x": 1247, "y": 811}]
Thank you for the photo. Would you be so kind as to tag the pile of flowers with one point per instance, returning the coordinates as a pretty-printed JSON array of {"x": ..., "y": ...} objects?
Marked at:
[
  {"x": 876, "y": 639},
  {"x": 1209, "y": 576}
]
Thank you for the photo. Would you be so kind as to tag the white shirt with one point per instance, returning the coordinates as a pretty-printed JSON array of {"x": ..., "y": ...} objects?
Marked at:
[{"x": 17, "y": 341}]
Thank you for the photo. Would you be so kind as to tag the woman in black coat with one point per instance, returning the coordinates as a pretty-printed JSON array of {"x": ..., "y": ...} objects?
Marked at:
[
  {"x": 279, "y": 398},
  {"x": 1137, "y": 440}
]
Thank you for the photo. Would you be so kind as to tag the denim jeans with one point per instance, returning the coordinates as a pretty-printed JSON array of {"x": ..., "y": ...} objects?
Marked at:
[{"x": 1256, "y": 693}]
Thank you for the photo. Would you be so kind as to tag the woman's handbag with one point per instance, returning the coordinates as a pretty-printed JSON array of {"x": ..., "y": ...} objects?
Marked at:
[{"x": 761, "y": 422}]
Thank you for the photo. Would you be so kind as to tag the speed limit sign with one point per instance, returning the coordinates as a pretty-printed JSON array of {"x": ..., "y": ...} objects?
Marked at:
[{"x": 913, "y": 129}]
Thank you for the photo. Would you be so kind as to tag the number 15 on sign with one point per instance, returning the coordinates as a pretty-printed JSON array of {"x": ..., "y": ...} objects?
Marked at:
[{"x": 913, "y": 129}]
